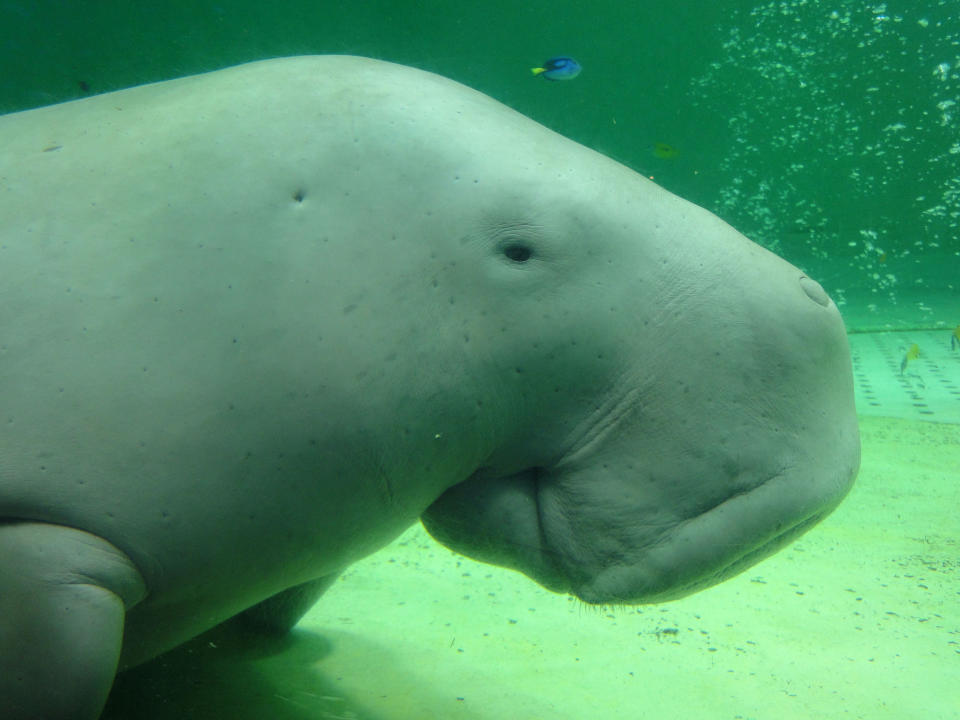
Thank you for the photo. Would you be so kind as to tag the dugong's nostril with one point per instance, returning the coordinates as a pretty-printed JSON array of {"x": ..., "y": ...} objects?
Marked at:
[{"x": 814, "y": 291}]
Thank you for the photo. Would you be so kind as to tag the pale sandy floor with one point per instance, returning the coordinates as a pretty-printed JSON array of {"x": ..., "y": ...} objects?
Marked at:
[{"x": 858, "y": 619}]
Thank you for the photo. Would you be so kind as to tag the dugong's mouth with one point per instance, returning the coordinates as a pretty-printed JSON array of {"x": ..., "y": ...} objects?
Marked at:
[
  {"x": 695, "y": 555},
  {"x": 615, "y": 555},
  {"x": 647, "y": 566}
]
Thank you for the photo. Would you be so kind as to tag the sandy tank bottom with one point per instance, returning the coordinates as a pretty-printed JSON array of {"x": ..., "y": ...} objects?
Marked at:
[{"x": 858, "y": 619}]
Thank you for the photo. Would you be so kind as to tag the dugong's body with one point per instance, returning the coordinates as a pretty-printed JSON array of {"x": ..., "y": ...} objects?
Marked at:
[{"x": 255, "y": 323}]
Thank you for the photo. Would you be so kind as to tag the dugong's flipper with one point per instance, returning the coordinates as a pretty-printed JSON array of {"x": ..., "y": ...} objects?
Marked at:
[{"x": 63, "y": 596}]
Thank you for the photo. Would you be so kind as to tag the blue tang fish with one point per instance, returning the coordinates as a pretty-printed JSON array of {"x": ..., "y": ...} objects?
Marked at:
[{"x": 558, "y": 68}]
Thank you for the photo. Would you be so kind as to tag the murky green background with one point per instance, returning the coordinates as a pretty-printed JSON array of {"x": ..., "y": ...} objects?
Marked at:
[{"x": 826, "y": 131}]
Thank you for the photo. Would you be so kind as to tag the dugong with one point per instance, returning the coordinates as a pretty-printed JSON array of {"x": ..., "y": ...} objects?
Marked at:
[{"x": 255, "y": 323}]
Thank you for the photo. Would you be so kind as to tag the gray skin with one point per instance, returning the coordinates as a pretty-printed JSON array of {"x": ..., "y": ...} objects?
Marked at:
[{"x": 255, "y": 323}]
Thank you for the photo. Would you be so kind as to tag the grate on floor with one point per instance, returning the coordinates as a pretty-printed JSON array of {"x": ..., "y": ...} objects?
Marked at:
[{"x": 926, "y": 387}]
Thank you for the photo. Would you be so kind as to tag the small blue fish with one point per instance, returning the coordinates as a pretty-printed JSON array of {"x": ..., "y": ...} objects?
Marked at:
[{"x": 558, "y": 68}]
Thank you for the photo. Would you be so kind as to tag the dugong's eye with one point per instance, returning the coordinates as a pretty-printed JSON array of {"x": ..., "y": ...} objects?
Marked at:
[
  {"x": 518, "y": 252},
  {"x": 517, "y": 242}
]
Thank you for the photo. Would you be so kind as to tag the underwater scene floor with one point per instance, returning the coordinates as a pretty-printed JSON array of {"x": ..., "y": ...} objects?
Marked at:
[
  {"x": 908, "y": 374},
  {"x": 860, "y": 618}
]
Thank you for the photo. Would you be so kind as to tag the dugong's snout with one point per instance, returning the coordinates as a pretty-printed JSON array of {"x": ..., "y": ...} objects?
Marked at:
[
  {"x": 611, "y": 536},
  {"x": 672, "y": 560},
  {"x": 718, "y": 456}
]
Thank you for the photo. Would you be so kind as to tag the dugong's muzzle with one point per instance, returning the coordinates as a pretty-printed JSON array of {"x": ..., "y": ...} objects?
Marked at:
[{"x": 724, "y": 456}]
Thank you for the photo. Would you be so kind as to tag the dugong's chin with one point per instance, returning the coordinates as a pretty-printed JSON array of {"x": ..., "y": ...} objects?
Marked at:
[{"x": 520, "y": 522}]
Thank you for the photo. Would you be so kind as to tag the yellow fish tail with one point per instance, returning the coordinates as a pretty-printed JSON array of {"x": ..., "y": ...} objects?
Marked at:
[{"x": 537, "y": 71}]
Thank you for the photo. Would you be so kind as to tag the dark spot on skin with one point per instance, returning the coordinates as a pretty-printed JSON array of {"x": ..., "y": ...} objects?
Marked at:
[
  {"x": 299, "y": 195},
  {"x": 84, "y": 86}
]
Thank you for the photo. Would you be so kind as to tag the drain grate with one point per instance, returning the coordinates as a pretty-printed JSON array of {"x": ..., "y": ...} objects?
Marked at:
[{"x": 928, "y": 388}]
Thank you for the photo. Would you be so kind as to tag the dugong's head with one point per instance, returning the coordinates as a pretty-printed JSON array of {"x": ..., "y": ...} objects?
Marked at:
[{"x": 664, "y": 402}]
